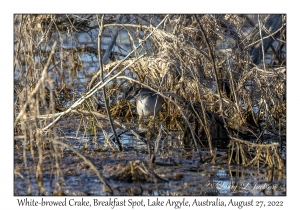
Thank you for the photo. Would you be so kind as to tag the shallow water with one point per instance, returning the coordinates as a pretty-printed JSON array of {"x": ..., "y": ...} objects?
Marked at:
[{"x": 181, "y": 169}]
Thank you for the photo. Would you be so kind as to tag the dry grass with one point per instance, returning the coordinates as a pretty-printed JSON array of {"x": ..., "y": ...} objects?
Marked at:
[{"x": 200, "y": 64}]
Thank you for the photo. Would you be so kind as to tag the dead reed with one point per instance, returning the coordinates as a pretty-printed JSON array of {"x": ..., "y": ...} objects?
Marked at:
[{"x": 221, "y": 77}]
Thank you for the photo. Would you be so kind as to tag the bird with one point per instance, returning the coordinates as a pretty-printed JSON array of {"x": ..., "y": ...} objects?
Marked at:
[{"x": 148, "y": 102}]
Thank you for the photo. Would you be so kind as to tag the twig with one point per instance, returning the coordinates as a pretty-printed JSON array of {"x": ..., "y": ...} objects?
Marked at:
[
  {"x": 107, "y": 52},
  {"x": 272, "y": 34},
  {"x": 262, "y": 44},
  {"x": 35, "y": 90},
  {"x": 103, "y": 89}
]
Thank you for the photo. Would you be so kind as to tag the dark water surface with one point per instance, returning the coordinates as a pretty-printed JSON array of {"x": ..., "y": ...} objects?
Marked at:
[{"x": 179, "y": 172}]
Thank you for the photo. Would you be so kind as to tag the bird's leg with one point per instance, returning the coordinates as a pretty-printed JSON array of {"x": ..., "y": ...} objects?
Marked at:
[
  {"x": 140, "y": 121},
  {"x": 154, "y": 115}
]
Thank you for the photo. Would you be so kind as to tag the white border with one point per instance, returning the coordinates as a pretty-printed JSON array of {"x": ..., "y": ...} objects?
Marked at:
[{"x": 8, "y": 8}]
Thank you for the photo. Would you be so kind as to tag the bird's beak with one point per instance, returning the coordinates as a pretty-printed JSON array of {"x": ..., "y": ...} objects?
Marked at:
[{"x": 129, "y": 94}]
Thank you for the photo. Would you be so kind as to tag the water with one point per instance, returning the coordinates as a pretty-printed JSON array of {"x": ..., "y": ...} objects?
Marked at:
[{"x": 180, "y": 171}]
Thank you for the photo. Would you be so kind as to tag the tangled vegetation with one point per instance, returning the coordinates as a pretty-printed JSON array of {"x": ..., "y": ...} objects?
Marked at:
[{"x": 222, "y": 77}]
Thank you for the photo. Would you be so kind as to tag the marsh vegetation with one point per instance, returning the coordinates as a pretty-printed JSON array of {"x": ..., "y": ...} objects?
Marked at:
[{"x": 223, "y": 118}]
